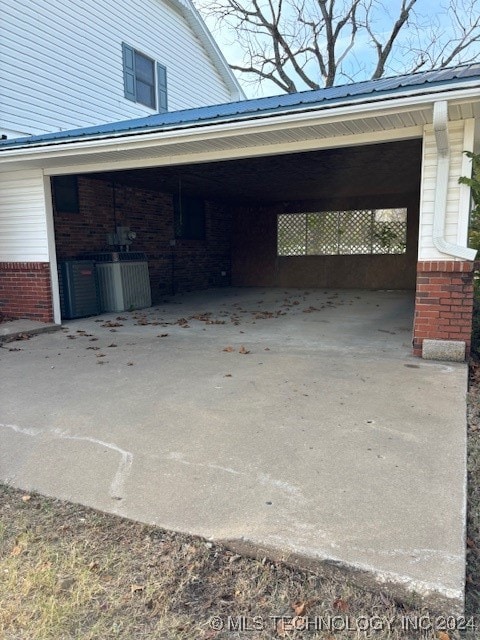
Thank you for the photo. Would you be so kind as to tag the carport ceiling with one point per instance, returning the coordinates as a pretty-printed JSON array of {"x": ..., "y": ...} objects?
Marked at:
[{"x": 380, "y": 169}]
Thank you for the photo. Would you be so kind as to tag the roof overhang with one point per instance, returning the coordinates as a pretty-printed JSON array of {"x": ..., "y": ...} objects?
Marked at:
[{"x": 357, "y": 122}]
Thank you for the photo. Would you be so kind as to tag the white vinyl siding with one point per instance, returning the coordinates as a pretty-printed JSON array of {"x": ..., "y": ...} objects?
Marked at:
[
  {"x": 23, "y": 223},
  {"x": 61, "y": 62},
  {"x": 457, "y": 204}
]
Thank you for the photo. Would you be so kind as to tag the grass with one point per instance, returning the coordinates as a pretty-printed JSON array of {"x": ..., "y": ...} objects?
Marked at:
[{"x": 69, "y": 572}]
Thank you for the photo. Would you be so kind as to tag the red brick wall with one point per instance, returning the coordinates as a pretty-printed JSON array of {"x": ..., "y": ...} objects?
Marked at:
[
  {"x": 25, "y": 290},
  {"x": 190, "y": 265},
  {"x": 444, "y": 302}
]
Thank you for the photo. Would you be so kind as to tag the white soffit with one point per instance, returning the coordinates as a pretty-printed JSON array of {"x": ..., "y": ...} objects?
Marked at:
[{"x": 230, "y": 140}]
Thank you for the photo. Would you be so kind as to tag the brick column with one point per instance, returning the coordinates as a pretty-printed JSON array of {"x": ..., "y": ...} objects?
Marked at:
[
  {"x": 443, "y": 303},
  {"x": 25, "y": 290}
]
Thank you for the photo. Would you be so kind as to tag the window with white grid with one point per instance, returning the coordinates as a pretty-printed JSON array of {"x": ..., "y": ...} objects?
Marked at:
[{"x": 359, "y": 231}]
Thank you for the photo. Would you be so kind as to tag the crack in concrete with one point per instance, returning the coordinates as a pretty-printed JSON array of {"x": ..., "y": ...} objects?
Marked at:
[
  {"x": 263, "y": 478},
  {"x": 123, "y": 469}
]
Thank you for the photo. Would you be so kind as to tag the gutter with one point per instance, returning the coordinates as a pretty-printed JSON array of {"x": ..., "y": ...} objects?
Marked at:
[
  {"x": 235, "y": 124},
  {"x": 440, "y": 127}
]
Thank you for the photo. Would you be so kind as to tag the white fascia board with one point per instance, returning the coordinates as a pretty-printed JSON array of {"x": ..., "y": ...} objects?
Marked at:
[
  {"x": 242, "y": 125},
  {"x": 238, "y": 153},
  {"x": 198, "y": 26}
]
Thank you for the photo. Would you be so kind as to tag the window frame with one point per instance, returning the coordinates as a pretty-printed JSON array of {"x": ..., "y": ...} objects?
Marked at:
[
  {"x": 62, "y": 202},
  {"x": 132, "y": 78},
  {"x": 189, "y": 217}
]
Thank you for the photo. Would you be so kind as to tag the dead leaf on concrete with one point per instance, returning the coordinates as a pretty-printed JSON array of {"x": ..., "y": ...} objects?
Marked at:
[
  {"x": 227, "y": 375},
  {"x": 163, "y": 335},
  {"x": 130, "y": 364},
  {"x": 111, "y": 323},
  {"x": 111, "y": 345},
  {"x": 243, "y": 351},
  {"x": 228, "y": 349}
]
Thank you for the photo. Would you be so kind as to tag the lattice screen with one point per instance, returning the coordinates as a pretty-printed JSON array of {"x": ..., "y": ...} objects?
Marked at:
[{"x": 366, "y": 231}]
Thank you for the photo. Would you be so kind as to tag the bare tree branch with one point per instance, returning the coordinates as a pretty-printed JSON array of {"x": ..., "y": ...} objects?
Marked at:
[{"x": 305, "y": 44}]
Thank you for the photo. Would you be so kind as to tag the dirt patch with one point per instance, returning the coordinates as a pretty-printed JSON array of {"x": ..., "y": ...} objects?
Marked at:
[{"x": 71, "y": 572}]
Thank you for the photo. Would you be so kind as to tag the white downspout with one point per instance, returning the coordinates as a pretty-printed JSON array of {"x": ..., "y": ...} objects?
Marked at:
[{"x": 440, "y": 127}]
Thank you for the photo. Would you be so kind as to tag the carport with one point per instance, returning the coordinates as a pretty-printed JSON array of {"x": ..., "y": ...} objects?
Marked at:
[
  {"x": 301, "y": 425},
  {"x": 242, "y": 200},
  {"x": 268, "y": 175}
]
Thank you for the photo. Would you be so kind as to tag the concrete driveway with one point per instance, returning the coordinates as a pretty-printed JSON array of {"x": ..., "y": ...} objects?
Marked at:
[{"x": 286, "y": 423}]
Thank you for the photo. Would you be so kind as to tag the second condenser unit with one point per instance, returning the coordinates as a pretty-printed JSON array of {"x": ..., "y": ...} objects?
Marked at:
[{"x": 122, "y": 279}]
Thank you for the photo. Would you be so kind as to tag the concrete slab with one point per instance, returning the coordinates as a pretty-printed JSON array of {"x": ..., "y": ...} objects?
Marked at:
[
  {"x": 325, "y": 443},
  {"x": 15, "y": 329}
]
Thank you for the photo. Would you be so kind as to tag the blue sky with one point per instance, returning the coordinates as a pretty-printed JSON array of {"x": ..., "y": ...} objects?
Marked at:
[{"x": 359, "y": 63}]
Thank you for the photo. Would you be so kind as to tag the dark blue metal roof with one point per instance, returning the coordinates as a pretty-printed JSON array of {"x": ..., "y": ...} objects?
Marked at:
[{"x": 437, "y": 80}]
